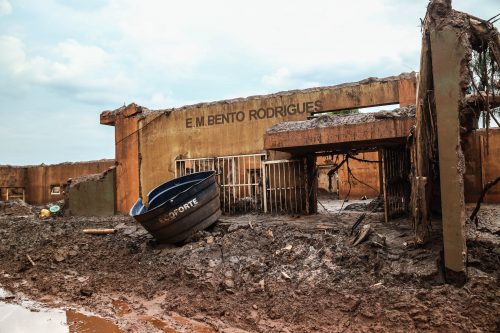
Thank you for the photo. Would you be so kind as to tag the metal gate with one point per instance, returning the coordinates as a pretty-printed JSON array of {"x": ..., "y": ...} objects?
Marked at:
[
  {"x": 239, "y": 178},
  {"x": 396, "y": 183},
  {"x": 285, "y": 187}
]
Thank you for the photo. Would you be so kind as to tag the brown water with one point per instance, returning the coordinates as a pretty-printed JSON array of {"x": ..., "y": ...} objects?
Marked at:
[{"x": 28, "y": 316}]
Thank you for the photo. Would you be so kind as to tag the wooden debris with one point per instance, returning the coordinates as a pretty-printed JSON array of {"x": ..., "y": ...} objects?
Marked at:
[
  {"x": 30, "y": 260},
  {"x": 269, "y": 233},
  {"x": 362, "y": 235},
  {"x": 99, "y": 231},
  {"x": 486, "y": 188}
]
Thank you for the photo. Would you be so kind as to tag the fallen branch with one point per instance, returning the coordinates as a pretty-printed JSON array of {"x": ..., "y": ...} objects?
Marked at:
[
  {"x": 336, "y": 168},
  {"x": 99, "y": 231},
  {"x": 350, "y": 186},
  {"x": 326, "y": 210},
  {"x": 486, "y": 188},
  {"x": 362, "y": 159}
]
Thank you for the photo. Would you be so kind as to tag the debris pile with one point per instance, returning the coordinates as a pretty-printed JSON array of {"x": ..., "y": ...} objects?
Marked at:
[
  {"x": 255, "y": 272},
  {"x": 15, "y": 208},
  {"x": 376, "y": 205},
  {"x": 73, "y": 182}
]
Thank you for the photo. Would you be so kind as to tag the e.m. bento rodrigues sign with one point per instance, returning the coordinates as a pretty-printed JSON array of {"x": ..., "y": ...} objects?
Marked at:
[{"x": 254, "y": 114}]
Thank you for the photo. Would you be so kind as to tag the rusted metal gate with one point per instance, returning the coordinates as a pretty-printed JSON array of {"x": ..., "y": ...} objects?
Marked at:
[
  {"x": 396, "y": 184},
  {"x": 284, "y": 187},
  {"x": 239, "y": 177}
]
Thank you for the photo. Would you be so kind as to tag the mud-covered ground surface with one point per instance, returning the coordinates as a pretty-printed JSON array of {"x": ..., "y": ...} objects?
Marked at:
[{"x": 255, "y": 273}]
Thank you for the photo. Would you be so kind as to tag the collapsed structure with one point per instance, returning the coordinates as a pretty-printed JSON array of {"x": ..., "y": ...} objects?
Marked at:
[
  {"x": 153, "y": 146},
  {"x": 445, "y": 117},
  {"x": 41, "y": 184},
  {"x": 269, "y": 151}
]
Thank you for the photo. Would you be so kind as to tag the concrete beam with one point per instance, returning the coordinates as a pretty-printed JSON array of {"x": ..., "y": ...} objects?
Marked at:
[
  {"x": 448, "y": 57},
  {"x": 358, "y": 136},
  {"x": 367, "y": 93},
  {"x": 108, "y": 118}
]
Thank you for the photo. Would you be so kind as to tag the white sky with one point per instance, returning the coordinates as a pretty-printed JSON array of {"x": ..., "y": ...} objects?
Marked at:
[{"x": 62, "y": 62}]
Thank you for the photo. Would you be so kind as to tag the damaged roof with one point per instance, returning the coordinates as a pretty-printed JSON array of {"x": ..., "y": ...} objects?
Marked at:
[
  {"x": 362, "y": 131},
  {"x": 326, "y": 120}
]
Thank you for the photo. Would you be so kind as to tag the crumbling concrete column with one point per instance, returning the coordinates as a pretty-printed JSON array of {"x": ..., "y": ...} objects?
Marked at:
[
  {"x": 127, "y": 159},
  {"x": 449, "y": 56}
]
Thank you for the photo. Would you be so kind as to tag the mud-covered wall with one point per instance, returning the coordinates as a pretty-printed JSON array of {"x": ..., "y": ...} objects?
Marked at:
[
  {"x": 12, "y": 176},
  {"x": 37, "y": 180},
  {"x": 41, "y": 178},
  {"x": 11, "y": 179},
  {"x": 324, "y": 182},
  {"x": 127, "y": 157},
  {"x": 92, "y": 196},
  {"x": 471, "y": 145},
  {"x": 238, "y": 126},
  {"x": 482, "y": 164},
  {"x": 367, "y": 173}
]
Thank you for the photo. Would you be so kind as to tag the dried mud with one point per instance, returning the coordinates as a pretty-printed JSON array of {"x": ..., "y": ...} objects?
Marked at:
[{"x": 255, "y": 273}]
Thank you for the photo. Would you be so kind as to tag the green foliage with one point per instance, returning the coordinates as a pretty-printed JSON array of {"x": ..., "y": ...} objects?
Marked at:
[{"x": 343, "y": 112}]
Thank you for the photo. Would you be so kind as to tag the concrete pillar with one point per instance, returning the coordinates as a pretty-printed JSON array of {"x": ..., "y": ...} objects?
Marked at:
[
  {"x": 448, "y": 55},
  {"x": 127, "y": 159}
]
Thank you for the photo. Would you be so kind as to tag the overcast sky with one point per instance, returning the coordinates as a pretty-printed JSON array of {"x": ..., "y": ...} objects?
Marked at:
[{"x": 62, "y": 62}]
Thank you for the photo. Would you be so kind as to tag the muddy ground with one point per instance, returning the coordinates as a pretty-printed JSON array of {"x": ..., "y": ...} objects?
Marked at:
[{"x": 255, "y": 273}]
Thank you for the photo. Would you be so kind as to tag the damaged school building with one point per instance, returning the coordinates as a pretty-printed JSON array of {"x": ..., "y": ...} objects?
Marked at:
[{"x": 283, "y": 152}]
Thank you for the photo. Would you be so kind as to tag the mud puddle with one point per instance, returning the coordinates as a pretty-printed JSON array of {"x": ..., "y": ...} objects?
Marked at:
[
  {"x": 21, "y": 315},
  {"x": 29, "y": 316},
  {"x": 254, "y": 272}
]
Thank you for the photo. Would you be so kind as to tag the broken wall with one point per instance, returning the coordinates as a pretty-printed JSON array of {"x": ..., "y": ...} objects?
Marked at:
[
  {"x": 238, "y": 126},
  {"x": 449, "y": 41},
  {"x": 38, "y": 180},
  {"x": 127, "y": 157},
  {"x": 11, "y": 179},
  {"x": 481, "y": 165},
  {"x": 92, "y": 195}
]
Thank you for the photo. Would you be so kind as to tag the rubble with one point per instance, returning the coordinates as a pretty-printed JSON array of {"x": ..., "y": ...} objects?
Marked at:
[
  {"x": 284, "y": 274},
  {"x": 15, "y": 208}
]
